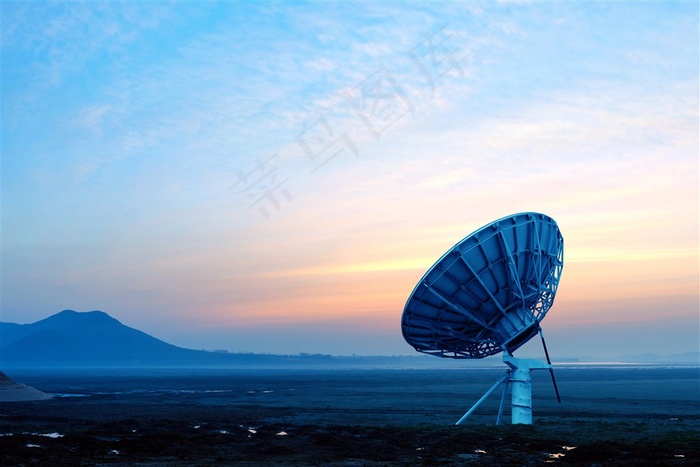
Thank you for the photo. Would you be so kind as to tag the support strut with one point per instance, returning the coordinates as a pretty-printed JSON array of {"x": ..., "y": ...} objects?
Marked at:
[{"x": 518, "y": 377}]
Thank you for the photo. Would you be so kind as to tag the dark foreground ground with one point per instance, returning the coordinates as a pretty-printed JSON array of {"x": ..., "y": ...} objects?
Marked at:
[{"x": 609, "y": 416}]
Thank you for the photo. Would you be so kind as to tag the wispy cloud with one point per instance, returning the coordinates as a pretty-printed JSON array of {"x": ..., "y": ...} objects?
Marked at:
[{"x": 126, "y": 125}]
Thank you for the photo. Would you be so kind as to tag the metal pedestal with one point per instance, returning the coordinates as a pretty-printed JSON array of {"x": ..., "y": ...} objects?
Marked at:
[{"x": 518, "y": 376}]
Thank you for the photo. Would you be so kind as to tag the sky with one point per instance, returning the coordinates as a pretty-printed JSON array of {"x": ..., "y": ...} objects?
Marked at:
[{"x": 276, "y": 177}]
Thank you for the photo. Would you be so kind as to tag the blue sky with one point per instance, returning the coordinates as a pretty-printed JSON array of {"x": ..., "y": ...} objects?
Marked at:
[{"x": 138, "y": 140}]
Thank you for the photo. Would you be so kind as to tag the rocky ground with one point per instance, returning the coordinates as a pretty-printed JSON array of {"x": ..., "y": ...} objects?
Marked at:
[
  {"x": 190, "y": 437},
  {"x": 322, "y": 419}
]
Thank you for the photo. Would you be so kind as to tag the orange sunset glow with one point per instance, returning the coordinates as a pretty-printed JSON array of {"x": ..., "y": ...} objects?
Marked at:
[{"x": 289, "y": 183}]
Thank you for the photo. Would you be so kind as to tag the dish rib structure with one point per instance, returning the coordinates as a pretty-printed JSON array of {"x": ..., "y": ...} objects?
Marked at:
[{"x": 489, "y": 292}]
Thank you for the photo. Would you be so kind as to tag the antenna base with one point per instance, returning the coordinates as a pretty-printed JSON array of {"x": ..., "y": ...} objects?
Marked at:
[
  {"x": 518, "y": 376},
  {"x": 521, "y": 383}
]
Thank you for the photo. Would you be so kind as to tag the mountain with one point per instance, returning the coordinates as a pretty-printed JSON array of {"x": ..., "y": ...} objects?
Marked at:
[
  {"x": 96, "y": 340},
  {"x": 92, "y": 338}
]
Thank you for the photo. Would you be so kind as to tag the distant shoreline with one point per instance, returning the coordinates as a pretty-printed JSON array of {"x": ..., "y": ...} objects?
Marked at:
[{"x": 494, "y": 366}]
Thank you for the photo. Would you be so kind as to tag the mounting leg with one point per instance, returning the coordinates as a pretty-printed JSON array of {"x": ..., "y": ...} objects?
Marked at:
[
  {"x": 503, "y": 398},
  {"x": 502, "y": 380},
  {"x": 518, "y": 377}
]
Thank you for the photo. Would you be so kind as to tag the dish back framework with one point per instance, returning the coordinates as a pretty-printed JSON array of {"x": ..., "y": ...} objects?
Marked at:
[{"x": 489, "y": 292}]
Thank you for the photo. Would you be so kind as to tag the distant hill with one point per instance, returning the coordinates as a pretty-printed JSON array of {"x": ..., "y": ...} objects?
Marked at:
[
  {"x": 687, "y": 357},
  {"x": 92, "y": 338}
]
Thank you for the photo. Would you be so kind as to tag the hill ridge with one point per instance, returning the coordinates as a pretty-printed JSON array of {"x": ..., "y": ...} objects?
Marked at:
[
  {"x": 70, "y": 338},
  {"x": 94, "y": 339}
]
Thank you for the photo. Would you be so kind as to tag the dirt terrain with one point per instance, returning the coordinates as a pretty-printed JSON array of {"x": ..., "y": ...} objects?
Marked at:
[{"x": 322, "y": 419}]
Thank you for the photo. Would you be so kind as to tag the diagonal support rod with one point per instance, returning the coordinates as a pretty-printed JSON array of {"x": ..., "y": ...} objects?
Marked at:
[
  {"x": 502, "y": 380},
  {"x": 551, "y": 370}
]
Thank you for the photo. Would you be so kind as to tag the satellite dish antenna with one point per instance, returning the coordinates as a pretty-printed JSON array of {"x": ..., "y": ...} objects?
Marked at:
[{"x": 488, "y": 294}]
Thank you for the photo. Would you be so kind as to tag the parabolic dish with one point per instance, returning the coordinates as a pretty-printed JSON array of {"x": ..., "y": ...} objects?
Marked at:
[{"x": 489, "y": 292}]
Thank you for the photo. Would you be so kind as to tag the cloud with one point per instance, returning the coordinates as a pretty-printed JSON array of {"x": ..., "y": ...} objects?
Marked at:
[{"x": 124, "y": 125}]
